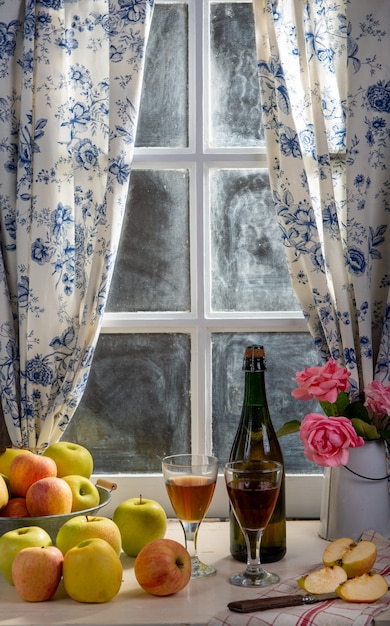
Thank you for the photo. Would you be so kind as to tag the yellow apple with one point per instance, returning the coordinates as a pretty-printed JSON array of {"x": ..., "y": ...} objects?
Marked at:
[
  {"x": 356, "y": 558},
  {"x": 4, "y": 493},
  {"x": 92, "y": 571},
  {"x": 82, "y": 527},
  {"x": 70, "y": 458},
  {"x": 163, "y": 567},
  {"x": 26, "y": 469},
  {"x": 7, "y": 456},
  {"x": 36, "y": 572},
  {"x": 85, "y": 493},
  {"x": 140, "y": 521},
  {"x": 368, "y": 587},
  {"x": 323, "y": 580},
  {"x": 15, "y": 540},
  {"x": 49, "y": 496}
]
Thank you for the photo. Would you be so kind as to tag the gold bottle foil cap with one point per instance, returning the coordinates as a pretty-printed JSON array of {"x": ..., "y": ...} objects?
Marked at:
[
  {"x": 256, "y": 352},
  {"x": 254, "y": 359}
]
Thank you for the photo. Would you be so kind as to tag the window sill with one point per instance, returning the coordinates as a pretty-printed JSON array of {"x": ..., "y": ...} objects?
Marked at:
[{"x": 193, "y": 606}]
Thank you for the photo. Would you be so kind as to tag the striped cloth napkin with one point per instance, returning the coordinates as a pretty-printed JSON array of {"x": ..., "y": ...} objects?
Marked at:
[{"x": 331, "y": 612}]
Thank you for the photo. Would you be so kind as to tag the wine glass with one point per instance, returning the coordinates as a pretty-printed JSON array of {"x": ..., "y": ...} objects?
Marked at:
[
  {"x": 190, "y": 482},
  {"x": 253, "y": 488}
]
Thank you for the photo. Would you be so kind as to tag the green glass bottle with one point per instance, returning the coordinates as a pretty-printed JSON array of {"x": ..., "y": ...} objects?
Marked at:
[{"x": 256, "y": 439}]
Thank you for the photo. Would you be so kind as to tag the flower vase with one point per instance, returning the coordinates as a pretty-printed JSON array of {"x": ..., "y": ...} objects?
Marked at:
[{"x": 355, "y": 497}]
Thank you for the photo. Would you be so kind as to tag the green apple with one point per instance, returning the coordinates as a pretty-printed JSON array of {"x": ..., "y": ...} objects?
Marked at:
[
  {"x": 15, "y": 540},
  {"x": 92, "y": 571},
  {"x": 82, "y": 527},
  {"x": 85, "y": 493},
  {"x": 6, "y": 478},
  {"x": 70, "y": 458},
  {"x": 7, "y": 456},
  {"x": 139, "y": 521}
]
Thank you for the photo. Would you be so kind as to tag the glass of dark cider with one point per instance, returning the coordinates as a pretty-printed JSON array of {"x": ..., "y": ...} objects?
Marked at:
[{"x": 253, "y": 488}]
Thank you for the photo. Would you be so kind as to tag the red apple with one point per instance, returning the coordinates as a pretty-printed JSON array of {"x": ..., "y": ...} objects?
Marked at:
[
  {"x": 163, "y": 567},
  {"x": 37, "y": 572},
  {"x": 26, "y": 469},
  {"x": 16, "y": 507},
  {"x": 49, "y": 496}
]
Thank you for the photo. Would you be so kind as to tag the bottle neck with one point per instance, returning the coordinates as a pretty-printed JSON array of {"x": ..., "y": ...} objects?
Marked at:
[{"x": 255, "y": 392}]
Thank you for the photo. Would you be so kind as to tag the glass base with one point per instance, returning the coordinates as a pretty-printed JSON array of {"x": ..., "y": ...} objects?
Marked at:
[
  {"x": 259, "y": 578},
  {"x": 200, "y": 570}
]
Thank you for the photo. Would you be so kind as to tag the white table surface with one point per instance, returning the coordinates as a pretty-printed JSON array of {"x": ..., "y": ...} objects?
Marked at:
[{"x": 193, "y": 606}]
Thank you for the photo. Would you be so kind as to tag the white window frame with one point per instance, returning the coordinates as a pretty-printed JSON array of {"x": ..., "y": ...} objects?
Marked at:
[{"x": 303, "y": 491}]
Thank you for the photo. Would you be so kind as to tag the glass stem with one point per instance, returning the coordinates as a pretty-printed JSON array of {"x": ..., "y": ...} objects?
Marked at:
[
  {"x": 253, "y": 542},
  {"x": 191, "y": 535}
]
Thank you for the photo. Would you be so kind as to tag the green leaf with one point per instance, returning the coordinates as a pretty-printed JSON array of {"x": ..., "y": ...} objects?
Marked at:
[
  {"x": 367, "y": 431},
  {"x": 357, "y": 410},
  {"x": 337, "y": 408},
  {"x": 289, "y": 427}
]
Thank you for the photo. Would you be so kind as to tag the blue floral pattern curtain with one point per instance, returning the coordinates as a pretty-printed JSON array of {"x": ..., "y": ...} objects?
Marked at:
[
  {"x": 70, "y": 83},
  {"x": 324, "y": 74}
]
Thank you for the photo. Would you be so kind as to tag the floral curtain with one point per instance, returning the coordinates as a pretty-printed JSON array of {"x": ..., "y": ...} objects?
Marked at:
[
  {"x": 70, "y": 82},
  {"x": 324, "y": 76}
]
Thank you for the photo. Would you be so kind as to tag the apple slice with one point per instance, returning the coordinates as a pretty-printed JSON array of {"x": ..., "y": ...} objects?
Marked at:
[
  {"x": 356, "y": 558},
  {"x": 368, "y": 587},
  {"x": 323, "y": 580}
]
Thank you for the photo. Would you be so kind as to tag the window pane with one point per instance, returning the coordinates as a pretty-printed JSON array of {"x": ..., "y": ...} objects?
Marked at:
[
  {"x": 285, "y": 355},
  {"x": 249, "y": 271},
  {"x": 163, "y": 120},
  {"x": 235, "y": 111},
  {"x": 136, "y": 405},
  {"x": 152, "y": 271}
]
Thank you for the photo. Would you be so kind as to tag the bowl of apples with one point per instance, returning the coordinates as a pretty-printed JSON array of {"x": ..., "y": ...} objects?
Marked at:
[{"x": 48, "y": 489}]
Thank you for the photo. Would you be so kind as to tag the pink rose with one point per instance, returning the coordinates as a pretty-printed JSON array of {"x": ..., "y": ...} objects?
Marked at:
[
  {"x": 326, "y": 440},
  {"x": 378, "y": 398},
  {"x": 323, "y": 383}
]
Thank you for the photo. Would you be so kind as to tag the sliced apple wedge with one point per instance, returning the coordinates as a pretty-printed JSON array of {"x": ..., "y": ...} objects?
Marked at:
[
  {"x": 356, "y": 558},
  {"x": 368, "y": 587},
  {"x": 323, "y": 580},
  {"x": 334, "y": 552}
]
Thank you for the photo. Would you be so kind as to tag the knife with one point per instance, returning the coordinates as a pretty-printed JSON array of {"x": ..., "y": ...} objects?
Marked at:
[{"x": 277, "y": 602}]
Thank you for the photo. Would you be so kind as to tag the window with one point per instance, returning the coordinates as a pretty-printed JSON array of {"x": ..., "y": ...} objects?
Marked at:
[{"x": 200, "y": 271}]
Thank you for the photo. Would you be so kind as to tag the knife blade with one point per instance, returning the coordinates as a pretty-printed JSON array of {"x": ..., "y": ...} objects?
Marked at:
[{"x": 277, "y": 602}]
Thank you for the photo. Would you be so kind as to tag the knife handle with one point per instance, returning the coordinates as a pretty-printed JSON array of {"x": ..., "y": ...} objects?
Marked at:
[{"x": 262, "y": 604}]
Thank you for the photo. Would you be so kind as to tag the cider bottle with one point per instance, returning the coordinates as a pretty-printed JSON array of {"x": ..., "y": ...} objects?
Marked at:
[{"x": 256, "y": 439}]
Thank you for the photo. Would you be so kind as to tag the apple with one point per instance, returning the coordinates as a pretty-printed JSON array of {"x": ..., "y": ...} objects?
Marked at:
[
  {"x": 5, "y": 477},
  {"x": 70, "y": 458},
  {"x": 7, "y": 456},
  {"x": 139, "y": 521},
  {"x": 163, "y": 567},
  {"x": 4, "y": 493},
  {"x": 26, "y": 469},
  {"x": 323, "y": 580},
  {"x": 37, "y": 572},
  {"x": 85, "y": 495},
  {"x": 82, "y": 527},
  {"x": 16, "y": 507},
  {"x": 92, "y": 571},
  {"x": 356, "y": 558},
  {"x": 13, "y": 541},
  {"x": 49, "y": 496},
  {"x": 368, "y": 587}
]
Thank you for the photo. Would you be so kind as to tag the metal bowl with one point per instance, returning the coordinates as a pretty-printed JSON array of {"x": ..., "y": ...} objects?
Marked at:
[{"x": 52, "y": 523}]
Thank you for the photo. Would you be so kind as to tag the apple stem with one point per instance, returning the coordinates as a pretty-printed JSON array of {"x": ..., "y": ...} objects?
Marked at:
[{"x": 140, "y": 498}]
